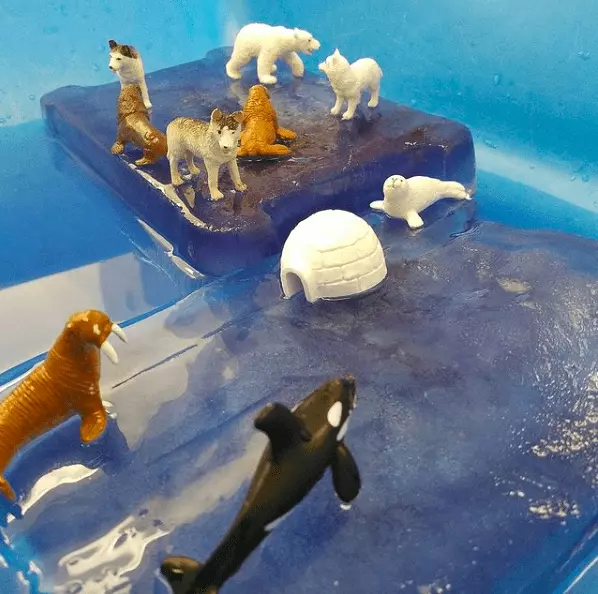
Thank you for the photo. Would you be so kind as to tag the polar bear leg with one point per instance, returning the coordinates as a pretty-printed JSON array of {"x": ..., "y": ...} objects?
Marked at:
[
  {"x": 352, "y": 103},
  {"x": 295, "y": 63},
  {"x": 414, "y": 220},
  {"x": 374, "y": 96},
  {"x": 265, "y": 62},
  {"x": 238, "y": 60},
  {"x": 337, "y": 106}
]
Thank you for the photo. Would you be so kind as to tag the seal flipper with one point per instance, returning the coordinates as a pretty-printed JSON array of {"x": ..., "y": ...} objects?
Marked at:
[
  {"x": 282, "y": 427},
  {"x": 181, "y": 573},
  {"x": 345, "y": 474}
]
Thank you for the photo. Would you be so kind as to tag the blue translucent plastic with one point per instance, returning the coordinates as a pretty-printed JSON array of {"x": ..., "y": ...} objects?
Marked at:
[
  {"x": 475, "y": 446},
  {"x": 480, "y": 346}
]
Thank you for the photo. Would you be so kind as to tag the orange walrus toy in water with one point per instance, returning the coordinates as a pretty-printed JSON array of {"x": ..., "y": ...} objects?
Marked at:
[
  {"x": 260, "y": 127},
  {"x": 65, "y": 384}
]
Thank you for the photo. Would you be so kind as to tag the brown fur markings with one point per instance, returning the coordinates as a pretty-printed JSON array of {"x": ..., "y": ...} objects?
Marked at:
[
  {"x": 134, "y": 127},
  {"x": 261, "y": 127}
]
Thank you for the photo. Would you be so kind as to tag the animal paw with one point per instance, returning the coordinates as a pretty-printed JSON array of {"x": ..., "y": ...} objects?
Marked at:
[
  {"x": 268, "y": 79},
  {"x": 373, "y": 103},
  {"x": 93, "y": 426},
  {"x": 148, "y": 106},
  {"x": 234, "y": 74},
  {"x": 177, "y": 181},
  {"x": 216, "y": 195},
  {"x": 335, "y": 111},
  {"x": 298, "y": 72},
  {"x": 118, "y": 148},
  {"x": 241, "y": 187},
  {"x": 273, "y": 69},
  {"x": 143, "y": 161},
  {"x": 347, "y": 116}
]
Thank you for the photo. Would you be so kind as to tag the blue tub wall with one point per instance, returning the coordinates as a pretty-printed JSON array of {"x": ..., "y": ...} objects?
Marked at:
[
  {"x": 515, "y": 68},
  {"x": 66, "y": 43}
]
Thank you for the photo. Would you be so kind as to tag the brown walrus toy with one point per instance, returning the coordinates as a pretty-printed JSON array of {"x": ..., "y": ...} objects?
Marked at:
[
  {"x": 65, "y": 384},
  {"x": 260, "y": 127},
  {"x": 135, "y": 127}
]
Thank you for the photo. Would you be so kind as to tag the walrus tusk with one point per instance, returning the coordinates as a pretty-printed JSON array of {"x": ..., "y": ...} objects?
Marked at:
[
  {"x": 118, "y": 331},
  {"x": 110, "y": 352}
]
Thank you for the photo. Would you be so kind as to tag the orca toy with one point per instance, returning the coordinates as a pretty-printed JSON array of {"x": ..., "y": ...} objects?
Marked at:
[{"x": 304, "y": 443}]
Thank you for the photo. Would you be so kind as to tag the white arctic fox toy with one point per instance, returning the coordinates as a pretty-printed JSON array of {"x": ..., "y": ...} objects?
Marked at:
[
  {"x": 406, "y": 198},
  {"x": 348, "y": 81},
  {"x": 268, "y": 44}
]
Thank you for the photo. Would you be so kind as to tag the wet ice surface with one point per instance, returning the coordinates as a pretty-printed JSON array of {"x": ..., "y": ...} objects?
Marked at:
[{"x": 476, "y": 430}]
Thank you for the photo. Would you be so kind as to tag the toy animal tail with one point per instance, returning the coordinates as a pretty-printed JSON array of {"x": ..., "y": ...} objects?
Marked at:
[
  {"x": 6, "y": 489},
  {"x": 181, "y": 574}
]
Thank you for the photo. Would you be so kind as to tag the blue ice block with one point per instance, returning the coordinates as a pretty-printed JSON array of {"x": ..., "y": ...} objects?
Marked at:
[{"x": 335, "y": 164}]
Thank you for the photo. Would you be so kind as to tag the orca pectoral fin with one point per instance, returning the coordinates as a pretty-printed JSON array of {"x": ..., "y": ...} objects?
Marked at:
[
  {"x": 345, "y": 474},
  {"x": 181, "y": 573}
]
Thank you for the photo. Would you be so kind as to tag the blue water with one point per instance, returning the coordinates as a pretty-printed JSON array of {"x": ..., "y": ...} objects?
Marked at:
[{"x": 528, "y": 93}]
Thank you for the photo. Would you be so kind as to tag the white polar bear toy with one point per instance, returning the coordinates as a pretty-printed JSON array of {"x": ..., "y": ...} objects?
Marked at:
[
  {"x": 406, "y": 198},
  {"x": 268, "y": 44},
  {"x": 348, "y": 81}
]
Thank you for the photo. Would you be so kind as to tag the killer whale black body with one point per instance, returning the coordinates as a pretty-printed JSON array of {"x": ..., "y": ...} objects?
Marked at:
[{"x": 303, "y": 444}]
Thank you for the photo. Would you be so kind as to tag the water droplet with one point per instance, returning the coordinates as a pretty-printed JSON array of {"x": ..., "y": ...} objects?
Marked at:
[
  {"x": 584, "y": 55},
  {"x": 413, "y": 101},
  {"x": 63, "y": 10},
  {"x": 95, "y": 67},
  {"x": 490, "y": 144},
  {"x": 585, "y": 178},
  {"x": 2, "y": 120},
  {"x": 497, "y": 79},
  {"x": 31, "y": 97},
  {"x": 573, "y": 177},
  {"x": 51, "y": 30}
]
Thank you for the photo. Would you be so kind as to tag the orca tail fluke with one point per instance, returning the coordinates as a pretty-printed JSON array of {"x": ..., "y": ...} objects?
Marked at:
[{"x": 181, "y": 574}]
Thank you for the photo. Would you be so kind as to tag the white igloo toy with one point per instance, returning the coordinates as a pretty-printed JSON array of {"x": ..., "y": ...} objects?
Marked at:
[
  {"x": 333, "y": 254},
  {"x": 406, "y": 198}
]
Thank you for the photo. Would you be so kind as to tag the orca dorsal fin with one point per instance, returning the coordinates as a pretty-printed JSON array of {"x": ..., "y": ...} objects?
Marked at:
[{"x": 282, "y": 427}]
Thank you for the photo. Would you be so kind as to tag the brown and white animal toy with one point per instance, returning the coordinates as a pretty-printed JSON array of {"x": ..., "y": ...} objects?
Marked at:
[
  {"x": 65, "y": 384},
  {"x": 134, "y": 127},
  {"x": 126, "y": 63},
  {"x": 216, "y": 142}
]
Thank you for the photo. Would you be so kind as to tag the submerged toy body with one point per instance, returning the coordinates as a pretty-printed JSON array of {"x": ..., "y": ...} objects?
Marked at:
[
  {"x": 133, "y": 126},
  {"x": 406, "y": 198},
  {"x": 304, "y": 443},
  {"x": 216, "y": 142},
  {"x": 260, "y": 127},
  {"x": 268, "y": 44},
  {"x": 333, "y": 254},
  {"x": 65, "y": 384},
  {"x": 126, "y": 63},
  {"x": 348, "y": 81}
]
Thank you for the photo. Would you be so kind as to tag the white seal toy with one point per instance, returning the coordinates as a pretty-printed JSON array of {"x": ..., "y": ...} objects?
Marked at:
[
  {"x": 333, "y": 254},
  {"x": 406, "y": 198},
  {"x": 348, "y": 81},
  {"x": 268, "y": 44},
  {"x": 126, "y": 63}
]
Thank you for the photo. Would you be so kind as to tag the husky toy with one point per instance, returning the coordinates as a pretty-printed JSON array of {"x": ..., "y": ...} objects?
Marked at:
[
  {"x": 215, "y": 142},
  {"x": 406, "y": 198},
  {"x": 268, "y": 44},
  {"x": 348, "y": 81},
  {"x": 303, "y": 444},
  {"x": 134, "y": 127},
  {"x": 126, "y": 63}
]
